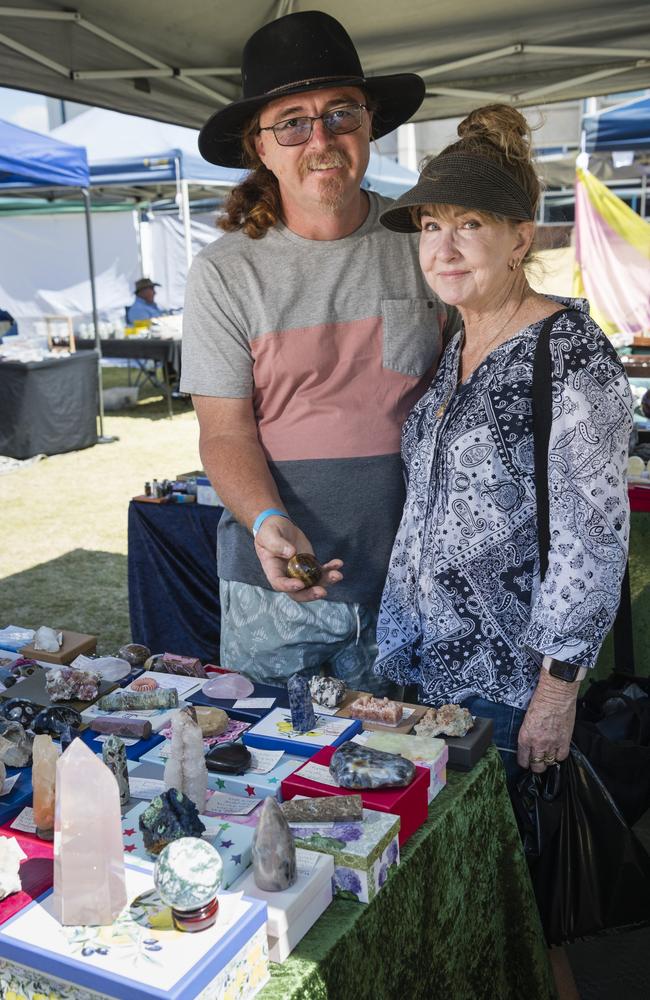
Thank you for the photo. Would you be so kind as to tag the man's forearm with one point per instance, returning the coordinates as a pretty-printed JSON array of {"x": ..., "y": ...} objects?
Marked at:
[{"x": 239, "y": 472}]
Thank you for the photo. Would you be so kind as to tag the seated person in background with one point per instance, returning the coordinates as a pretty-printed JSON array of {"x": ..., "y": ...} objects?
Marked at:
[{"x": 144, "y": 306}]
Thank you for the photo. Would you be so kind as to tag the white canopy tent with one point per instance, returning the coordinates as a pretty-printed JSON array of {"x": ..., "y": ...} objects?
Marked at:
[{"x": 178, "y": 62}]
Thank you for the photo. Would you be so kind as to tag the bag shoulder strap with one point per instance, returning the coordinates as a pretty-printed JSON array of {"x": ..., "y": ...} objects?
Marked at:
[{"x": 542, "y": 420}]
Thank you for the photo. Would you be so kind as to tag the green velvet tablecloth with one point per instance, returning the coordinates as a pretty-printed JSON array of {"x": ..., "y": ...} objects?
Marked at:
[{"x": 456, "y": 920}]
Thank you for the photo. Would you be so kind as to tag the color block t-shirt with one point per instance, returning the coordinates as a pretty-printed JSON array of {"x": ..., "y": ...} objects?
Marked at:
[{"x": 334, "y": 341}]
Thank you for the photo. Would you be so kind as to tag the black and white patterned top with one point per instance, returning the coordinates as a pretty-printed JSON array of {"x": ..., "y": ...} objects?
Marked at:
[{"x": 463, "y": 611}]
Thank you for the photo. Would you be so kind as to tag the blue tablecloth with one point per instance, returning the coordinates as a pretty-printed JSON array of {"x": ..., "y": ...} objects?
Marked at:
[{"x": 173, "y": 580}]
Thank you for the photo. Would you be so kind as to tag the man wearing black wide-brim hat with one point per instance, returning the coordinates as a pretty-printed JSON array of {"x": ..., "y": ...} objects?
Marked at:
[{"x": 308, "y": 336}]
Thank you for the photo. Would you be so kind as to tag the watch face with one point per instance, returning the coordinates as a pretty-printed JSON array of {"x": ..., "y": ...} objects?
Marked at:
[{"x": 563, "y": 671}]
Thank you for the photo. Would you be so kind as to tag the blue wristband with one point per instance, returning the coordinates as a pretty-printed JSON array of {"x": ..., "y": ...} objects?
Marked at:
[{"x": 261, "y": 518}]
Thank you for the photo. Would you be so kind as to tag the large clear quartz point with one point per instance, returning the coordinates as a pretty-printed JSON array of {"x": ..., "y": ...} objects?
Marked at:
[{"x": 88, "y": 852}]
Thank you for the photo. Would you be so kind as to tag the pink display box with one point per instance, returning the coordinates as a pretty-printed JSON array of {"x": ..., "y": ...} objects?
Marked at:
[
  {"x": 410, "y": 803},
  {"x": 36, "y": 871}
]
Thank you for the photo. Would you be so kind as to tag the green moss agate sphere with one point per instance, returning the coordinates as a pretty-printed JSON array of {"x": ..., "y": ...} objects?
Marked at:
[{"x": 188, "y": 873}]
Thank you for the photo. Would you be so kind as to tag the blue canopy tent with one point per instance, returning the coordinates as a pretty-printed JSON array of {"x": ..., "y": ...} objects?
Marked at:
[
  {"x": 624, "y": 127},
  {"x": 33, "y": 163},
  {"x": 129, "y": 153}
]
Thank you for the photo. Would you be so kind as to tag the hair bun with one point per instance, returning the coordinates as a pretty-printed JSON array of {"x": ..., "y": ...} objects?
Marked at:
[{"x": 503, "y": 127}]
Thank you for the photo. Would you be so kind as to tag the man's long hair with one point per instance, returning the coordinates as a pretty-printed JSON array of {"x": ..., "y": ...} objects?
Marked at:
[{"x": 254, "y": 205}]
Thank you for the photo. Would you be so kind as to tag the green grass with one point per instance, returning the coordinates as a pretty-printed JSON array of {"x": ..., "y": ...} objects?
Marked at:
[{"x": 63, "y": 532}]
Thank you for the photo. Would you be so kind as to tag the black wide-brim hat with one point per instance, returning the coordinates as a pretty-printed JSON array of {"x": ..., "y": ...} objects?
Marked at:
[{"x": 309, "y": 50}]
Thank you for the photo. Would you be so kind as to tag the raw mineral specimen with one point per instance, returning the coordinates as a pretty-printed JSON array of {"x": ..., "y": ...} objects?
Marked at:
[
  {"x": 355, "y": 766},
  {"x": 15, "y": 744},
  {"x": 187, "y": 666},
  {"x": 144, "y": 684},
  {"x": 134, "y": 653},
  {"x": 54, "y": 720},
  {"x": 302, "y": 712},
  {"x": 68, "y": 684},
  {"x": 142, "y": 701},
  {"x": 185, "y": 769},
  {"x": 11, "y": 854},
  {"x": 137, "y": 729},
  {"x": 304, "y": 566},
  {"x": 274, "y": 850},
  {"x": 3, "y": 774},
  {"x": 114, "y": 756},
  {"x": 376, "y": 710},
  {"x": 213, "y": 721},
  {"x": 44, "y": 781},
  {"x": 327, "y": 691},
  {"x": 151, "y": 662},
  {"x": 20, "y": 710},
  {"x": 88, "y": 849},
  {"x": 169, "y": 817},
  {"x": 329, "y": 809},
  {"x": 47, "y": 639},
  {"x": 448, "y": 720}
]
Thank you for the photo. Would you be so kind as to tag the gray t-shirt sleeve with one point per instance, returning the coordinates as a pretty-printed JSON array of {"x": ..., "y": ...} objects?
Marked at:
[{"x": 217, "y": 359}]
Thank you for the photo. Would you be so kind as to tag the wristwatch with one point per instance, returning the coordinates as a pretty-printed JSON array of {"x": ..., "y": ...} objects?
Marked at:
[{"x": 568, "y": 672}]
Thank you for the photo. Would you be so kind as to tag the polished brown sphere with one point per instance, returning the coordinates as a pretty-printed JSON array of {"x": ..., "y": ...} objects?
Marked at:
[{"x": 304, "y": 566}]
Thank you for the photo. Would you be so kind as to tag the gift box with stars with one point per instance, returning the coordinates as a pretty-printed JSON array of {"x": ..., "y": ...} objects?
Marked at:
[{"x": 232, "y": 840}]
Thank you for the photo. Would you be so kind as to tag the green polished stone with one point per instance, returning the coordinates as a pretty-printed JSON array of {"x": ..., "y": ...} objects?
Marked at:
[{"x": 188, "y": 873}]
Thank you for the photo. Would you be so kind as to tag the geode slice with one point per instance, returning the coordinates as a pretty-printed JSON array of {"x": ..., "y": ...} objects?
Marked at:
[
  {"x": 327, "y": 691},
  {"x": 448, "y": 720},
  {"x": 52, "y": 721},
  {"x": 15, "y": 744},
  {"x": 20, "y": 710},
  {"x": 168, "y": 817},
  {"x": 69, "y": 684},
  {"x": 355, "y": 766}
]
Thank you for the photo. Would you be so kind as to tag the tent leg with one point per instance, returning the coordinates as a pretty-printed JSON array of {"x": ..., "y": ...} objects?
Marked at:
[
  {"x": 102, "y": 439},
  {"x": 187, "y": 223}
]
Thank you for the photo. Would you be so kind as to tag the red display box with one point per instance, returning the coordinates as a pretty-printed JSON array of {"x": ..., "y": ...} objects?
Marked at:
[
  {"x": 410, "y": 803},
  {"x": 36, "y": 871}
]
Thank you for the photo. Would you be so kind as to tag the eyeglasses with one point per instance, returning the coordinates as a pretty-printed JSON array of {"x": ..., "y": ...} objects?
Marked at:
[{"x": 338, "y": 121}]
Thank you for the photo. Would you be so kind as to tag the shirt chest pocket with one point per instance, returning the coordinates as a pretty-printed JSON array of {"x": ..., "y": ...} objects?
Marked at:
[{"x": 412, "y": 339}]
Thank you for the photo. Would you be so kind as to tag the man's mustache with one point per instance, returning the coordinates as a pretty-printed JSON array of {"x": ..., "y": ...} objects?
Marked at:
[{"x": 327, "y": 159}]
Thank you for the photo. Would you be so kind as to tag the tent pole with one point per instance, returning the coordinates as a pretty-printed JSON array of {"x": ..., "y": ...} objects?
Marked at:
[
  {"x": 102, "y": 439},
  {"x": 187, "y": 223}
]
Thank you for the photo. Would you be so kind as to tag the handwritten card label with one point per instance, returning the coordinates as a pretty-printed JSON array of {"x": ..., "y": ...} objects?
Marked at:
[
  {"x": 9, "y": 783},
  {"x": 24, "y": 821},
  {"x": 233, "y": 805},
  {"x": 145, "y": 788},
  {"x": 127, "y": 741},
  {"x": 318, "y": 772},
  {"x": 264, "y": 761},
  {"x": 254, "y": 703},
  {"x": 306, "y": 861}
]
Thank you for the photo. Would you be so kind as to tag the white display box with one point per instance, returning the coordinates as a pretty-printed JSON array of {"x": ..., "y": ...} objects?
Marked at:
[
  {"x": 291, "y": 913},
  {"x": 139, "y": 956}
]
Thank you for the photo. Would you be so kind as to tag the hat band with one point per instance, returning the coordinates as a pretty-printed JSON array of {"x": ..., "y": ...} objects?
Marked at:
[{"x": 306, "y": 83}]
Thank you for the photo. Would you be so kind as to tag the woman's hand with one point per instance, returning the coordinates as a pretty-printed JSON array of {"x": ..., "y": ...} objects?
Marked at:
[
  {"x": 547, "y": 728},
  {"x": 277, "y": 540}
]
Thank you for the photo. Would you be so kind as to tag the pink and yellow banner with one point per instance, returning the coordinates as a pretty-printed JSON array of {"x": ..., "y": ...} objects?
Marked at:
[{"x": 612, "y": 266}]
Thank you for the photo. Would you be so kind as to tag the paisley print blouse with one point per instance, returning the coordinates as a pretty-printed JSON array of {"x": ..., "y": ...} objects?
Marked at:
[{"x": 463, "y": 611}]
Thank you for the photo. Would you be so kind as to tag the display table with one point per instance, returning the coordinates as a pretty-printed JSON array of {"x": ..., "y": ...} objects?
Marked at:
[
  {"x": 173, "y": 581},
  {"x": 164, "y": 352},
  {"x": 457, "y": 919},
  {"x": 48, "y": 407}
]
